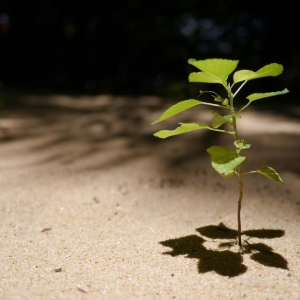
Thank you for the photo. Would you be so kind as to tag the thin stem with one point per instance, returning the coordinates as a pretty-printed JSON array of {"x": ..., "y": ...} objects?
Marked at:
[
  {"x": 204, "y": 92},
  {"x": 239, "y": 168},
  {"x": 221, "y": 130},
  {"x": 212, "y": 104},
  {"x": 239, "y": 88},
  {"x": 250, "y": 172},
  {"x": 240, "y": 175}
]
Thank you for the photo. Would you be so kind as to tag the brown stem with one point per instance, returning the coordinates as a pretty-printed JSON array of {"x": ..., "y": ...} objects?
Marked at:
[
  {"x": 240, "y": 205},
  {"x": 240, "y": 174}
]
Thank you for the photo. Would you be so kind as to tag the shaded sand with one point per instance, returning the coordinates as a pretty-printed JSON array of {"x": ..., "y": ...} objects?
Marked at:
[{"x": 94, "y": 207}]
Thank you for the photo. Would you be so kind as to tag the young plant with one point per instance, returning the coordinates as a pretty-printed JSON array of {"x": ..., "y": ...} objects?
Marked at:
[{"x": 225, "y": 161}]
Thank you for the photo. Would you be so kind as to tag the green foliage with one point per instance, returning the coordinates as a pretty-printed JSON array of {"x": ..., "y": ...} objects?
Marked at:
[
  {"x": 213, "y": 70},
  {"x": 225, "y": 161},
  {"x": 218, "y": 120},
  {"x": 258, "y": 96},
  {"x": 183, "y": 128},
  {"x": 268, "y": 70},
  {"x": 270, "y": 173},
  {"x": 177, "y": 108},
  {"x": 217, "y": 71},
  {"x": 241, "y": 144}
]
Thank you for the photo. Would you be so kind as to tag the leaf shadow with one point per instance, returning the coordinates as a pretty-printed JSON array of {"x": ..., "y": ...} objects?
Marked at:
[
  {"x": 264, "y": 254},
  {"x": 264, "y": 233},
  {"x": 217, "y": 232},
  {"x": 226, "y": 262},
  {"x": 223, "y": 232}
]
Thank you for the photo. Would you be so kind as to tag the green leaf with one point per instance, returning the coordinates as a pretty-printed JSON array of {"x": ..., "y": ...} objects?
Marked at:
[
  {"x": 204, "y": 77},
  {"x": 177, "y": 108},
  {"x": 257, "y": 96},
  {"x": 225, "y": 102},
  {"x": 218, "y": 98},
  {"x": 183, "y": 128},
  {"x": 241, "y": 144},
  {"x": 224, "y": 161},
  {"x": 273, "y": 69},
  {"x": 270, "y": 173},
  {"x": 218, "y": 120},
  {"x": 228, "y": 118},
  {"x": 214, "y": 70}
]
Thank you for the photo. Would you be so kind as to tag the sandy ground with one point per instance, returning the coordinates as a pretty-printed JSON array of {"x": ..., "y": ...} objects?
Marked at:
[{"x": 94, "y": 207}]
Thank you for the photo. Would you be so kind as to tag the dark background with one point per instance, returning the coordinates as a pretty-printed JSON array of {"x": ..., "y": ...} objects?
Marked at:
[{"x": 141, "y": 47}]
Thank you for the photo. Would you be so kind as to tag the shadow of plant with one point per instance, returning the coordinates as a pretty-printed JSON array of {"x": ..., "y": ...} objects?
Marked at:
[
  {"x": 222, "y": 232},
  {"x": 264, "y": 255},
  {"x": 226, "y": 262}
]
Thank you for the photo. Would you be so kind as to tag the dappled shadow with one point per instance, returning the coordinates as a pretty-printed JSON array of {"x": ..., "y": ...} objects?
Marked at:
[
  {"x": 85, "y": 125},
  {"x": 79, "y": 126},
  {"x": 226, "y": 262}
]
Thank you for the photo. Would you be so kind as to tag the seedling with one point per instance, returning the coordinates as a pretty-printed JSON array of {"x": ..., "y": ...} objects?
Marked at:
[{"x": 225, "y": 161}]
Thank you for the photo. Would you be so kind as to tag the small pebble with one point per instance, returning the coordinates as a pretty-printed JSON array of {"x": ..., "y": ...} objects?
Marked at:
[
  {"x": 96, "y": 199},
  {"x": 80, "y": 289},
  {"x": 58, "y": 270}
]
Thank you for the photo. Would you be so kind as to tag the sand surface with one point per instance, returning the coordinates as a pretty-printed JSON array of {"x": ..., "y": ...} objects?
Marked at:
[{"x": 94, "y": 207}]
